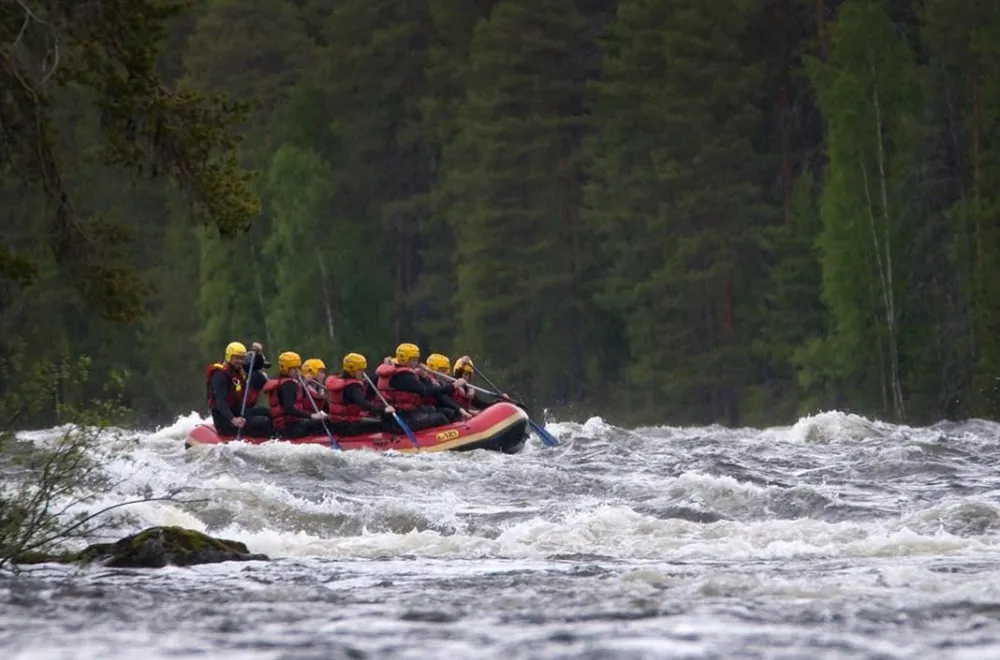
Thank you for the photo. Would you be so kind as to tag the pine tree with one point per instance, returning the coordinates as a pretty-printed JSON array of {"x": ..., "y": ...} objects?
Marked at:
[
  {"x": 172, "y": 364},
  {"x": 253, "y": 50},
  {"x": 324, "y": 267},
  {"x": 786, "y": 313},
  {"x": 512, "y": 181},
  {"x": 673, "y": 196},
  {"x": 963, "y": 42},
  {"x": 453, "y": 23},
  {"x": 372, "y": 77}
]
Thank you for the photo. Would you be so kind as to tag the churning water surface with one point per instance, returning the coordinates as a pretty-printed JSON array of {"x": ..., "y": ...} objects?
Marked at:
[{"x": 837, "y": 537}]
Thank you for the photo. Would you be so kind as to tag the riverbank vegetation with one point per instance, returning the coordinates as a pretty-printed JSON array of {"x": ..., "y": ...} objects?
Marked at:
[{"x": 692, "y": 211}]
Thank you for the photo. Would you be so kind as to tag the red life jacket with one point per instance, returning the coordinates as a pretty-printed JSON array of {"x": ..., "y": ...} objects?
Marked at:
[
  {"x": 462, "y": 398},
  {"x": 318, "y": 396},
  {"x": 238, "y": 379},
  {"x": 430, "y": 379},
  {"x": 339, "y": 410},
  {"x": 399, "y": 400},
  {"x": 278, "y": 416}
]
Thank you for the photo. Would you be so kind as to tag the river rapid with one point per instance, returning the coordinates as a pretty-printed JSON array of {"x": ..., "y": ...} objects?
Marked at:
[{"x": 838, "y": 537}]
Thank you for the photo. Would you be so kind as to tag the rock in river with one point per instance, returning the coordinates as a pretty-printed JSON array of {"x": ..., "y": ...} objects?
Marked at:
[{"x": 155, "y": 547}]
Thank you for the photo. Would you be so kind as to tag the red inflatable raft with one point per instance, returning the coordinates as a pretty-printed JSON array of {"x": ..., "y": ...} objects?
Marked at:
[{"x": 501, "y": 427}]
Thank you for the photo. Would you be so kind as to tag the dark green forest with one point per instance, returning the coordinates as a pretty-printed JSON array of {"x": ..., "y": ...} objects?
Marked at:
[{"x": 660, "y": 211}]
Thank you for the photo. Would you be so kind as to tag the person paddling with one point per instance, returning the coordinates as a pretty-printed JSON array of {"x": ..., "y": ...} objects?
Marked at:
[
  {"x": 231, "y": 406},
  {"x": 401, "y": 385},
  {"x": 352, "y": 411},
  {"x": 314, "y": 374},
  {"x": 291, "y": 411}
]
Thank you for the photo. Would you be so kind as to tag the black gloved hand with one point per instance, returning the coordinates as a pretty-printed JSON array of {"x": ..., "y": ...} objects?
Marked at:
[{"x": 259, "y": 362}]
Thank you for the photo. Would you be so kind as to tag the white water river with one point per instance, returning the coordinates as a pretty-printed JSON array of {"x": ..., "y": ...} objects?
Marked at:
[{"x": 835, "y": 538}]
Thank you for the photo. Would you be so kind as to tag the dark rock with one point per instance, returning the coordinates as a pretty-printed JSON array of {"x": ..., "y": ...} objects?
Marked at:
[{"x": 155, "y": 547}]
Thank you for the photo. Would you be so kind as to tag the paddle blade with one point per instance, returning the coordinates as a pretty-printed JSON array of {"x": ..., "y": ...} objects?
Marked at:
[
  {"x": 546, "y": 437},
  {"x": 406, "y": 430}
]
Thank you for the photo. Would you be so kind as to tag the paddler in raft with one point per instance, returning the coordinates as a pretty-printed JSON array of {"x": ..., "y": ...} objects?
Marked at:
[
  {"x": 400, "y": 383},
  {"x": 291, "y": 411},
  {"x": 433, "y": 368},
  {"x": 225, "y": 388},
  {"x": 468, "y": 397},
  {"x": 313, "y": 375},
  {"x": 351, "y": 407}
]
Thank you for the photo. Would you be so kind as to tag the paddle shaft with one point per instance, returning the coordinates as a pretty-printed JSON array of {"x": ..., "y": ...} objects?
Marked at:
[
  {"x": 494, "y": 392},
  {"x": 452, "y": 379},
  {"x": 329, "y": 433},
  {"x": 246, "y": 393},
  {"x": 395, "y": 415}
]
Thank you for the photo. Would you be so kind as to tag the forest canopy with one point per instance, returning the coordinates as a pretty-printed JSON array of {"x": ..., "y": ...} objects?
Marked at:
[{"x": 684, "y": 212}]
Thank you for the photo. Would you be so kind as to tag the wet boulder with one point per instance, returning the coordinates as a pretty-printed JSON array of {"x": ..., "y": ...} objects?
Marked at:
[{"x": 155, "y": 547}]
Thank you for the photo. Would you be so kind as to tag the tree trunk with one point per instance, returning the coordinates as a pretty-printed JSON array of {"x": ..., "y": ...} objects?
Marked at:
[
  {"x": 976, "y": 164},
  {"x": 822, "y": 35},
  {"x": 261, "y": 303},
  {"x": 400, "y": 287},
  {"x": 885, "y": 268},
  {"x": 326, "y": 296},
  {"x": 784, "y": 97}
]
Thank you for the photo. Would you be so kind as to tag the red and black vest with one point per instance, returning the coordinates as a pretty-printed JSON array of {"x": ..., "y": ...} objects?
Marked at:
[
  {"x": 340, "y": 411},
  {"x": 398, "y": 399},
  {"x": 235, "y": 390},
  {"x": 462, "y": 398},
  {"x": 278, "y": 416},
  {"x": 432, "y": 380},
  {"x": 318, "y": 396}
]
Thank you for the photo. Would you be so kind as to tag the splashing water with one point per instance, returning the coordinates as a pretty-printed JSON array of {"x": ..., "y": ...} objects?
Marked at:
[{"x": 836, "y": 537}]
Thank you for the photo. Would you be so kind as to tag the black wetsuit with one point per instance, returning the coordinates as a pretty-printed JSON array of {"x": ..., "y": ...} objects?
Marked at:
[
  {"x": 258, "y": 418},
  {"x": 299, "y": 423},
  {"x": 356, "y": 394},
  {"x": 426, "y": 416}
]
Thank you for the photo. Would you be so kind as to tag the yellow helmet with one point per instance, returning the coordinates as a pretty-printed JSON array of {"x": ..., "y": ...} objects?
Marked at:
[
  {"x": 312, "y": 367},
  {"x": 406, "y": 353},
  {"x": 288, "y": 360},
  {"x": 235, "y": 349},
  {"x": 355, "y": 362},
  {"x": 463, "y": 367},
  {"x": 439, "y": 363}
]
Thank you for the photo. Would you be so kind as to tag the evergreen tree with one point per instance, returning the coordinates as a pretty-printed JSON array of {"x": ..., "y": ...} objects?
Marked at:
[
  {"x": 962, "y": 39},
  {"x": 447, "y": 63},
  {"x": 254, "y": 51},
  {"x": 372, "y": 78},
  {"x": 513, "y": 182},
  {"x": 673, "y": 197}
]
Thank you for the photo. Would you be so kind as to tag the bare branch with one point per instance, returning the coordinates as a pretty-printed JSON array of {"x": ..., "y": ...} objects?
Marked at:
[
  {"x": 30, "y": 14},
  {"x": 20, "y": 34},
  {"x": 55, "y": 63},
  {"x": 67, "y": 531}
]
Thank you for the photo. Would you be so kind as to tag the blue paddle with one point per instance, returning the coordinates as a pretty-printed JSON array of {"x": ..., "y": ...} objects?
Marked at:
[
  {"x": 546, "y": 437},
  {"x": 333, "y": 441},
  {"x": 395, "y": 415}
]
